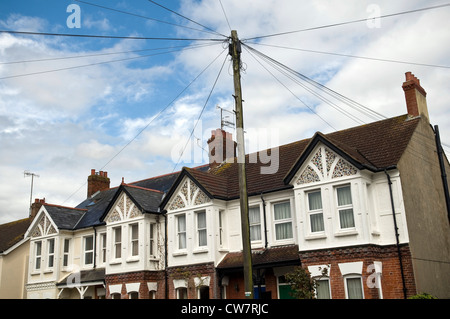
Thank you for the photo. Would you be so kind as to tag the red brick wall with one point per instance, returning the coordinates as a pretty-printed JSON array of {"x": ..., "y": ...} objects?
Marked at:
[
  {"x": 190, "y": 273},
  {"x": 137, "y": 277},
  {"x": 391, "y": 279}
]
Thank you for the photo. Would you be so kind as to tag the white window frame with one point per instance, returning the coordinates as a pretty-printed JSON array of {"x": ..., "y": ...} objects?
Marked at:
[
  {"x": 353, "y": 276},
  {"x": 103, "y": 245},
  {"x": 340, "y": 208},
  {"x": 87, "y": 252},
  {"x": 202, "y": 229},
  {"x": 310, "y": 212},
  {"x": 37, "y": 255},
  {"x": 152, "y": 240},
  {"x": 117, "y": 242},
  {"x": 289, "y": 220},
  {"x": 256, "y": 224},
  {"x": 134, "y": 240},
  {"x": 327, "y": 279},
  {"x": 51, "y": 242},
  {"x": 66, "y": 254},
  {"x": 180, "y": 233}
]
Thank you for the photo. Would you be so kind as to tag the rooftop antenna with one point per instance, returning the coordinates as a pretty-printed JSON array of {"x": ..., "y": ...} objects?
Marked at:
[
  {"x": 223, "y": 119},
  {"x": 26, "y": 174}
]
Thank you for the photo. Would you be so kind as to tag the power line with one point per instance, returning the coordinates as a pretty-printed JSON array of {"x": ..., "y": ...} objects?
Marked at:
[
  {"x": 351, "y": 103},
  {"x": 103, "y": 54},
  {"x": 200, "y": 115},
  {"x": 353, "y": 56},
  {"x": 347, "y": 22},
  {"x": 184, "y": 17},
  {"x": 225, "y": 14},
  {"x": 151, "y": 121},
  {"x": 312, "y": 110},
  {"x": 106, "y": 36},
  {"x": 144, "y": 17},
  {"x": 93, "y": 64}
]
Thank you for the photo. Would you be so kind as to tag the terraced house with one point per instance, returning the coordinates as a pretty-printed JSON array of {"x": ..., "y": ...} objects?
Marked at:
[{"x": 368, "y": 203}]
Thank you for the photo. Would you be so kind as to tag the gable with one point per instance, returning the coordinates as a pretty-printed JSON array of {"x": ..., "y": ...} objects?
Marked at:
[
  {"x": 188, "y": 194},
  {"x": 323, "y": 165},
  {"x": 124, "y": 208},
  {"x": 43, "y": 226}
]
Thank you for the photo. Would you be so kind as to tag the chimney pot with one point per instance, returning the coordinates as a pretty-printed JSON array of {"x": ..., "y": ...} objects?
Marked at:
[
  {"x": 93, "y": 171},
  {"x": 221, "y": 147}
]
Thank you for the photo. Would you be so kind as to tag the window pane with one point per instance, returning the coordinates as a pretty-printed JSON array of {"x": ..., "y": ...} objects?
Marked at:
[
  {"x": 202, "y": 237},
  {"x": 344, "y": 196},
  {"x": 181, "y": 223},
  {"x": 354, "y": 288},
  {"x": 315, "y": 200},
  {"x": 323, "y": 289},
  {"x": 283, "y": 231},
  {"x": 316, "y": 222},
  {"x": 255, "y": 223},
  {"x": 51, "y": 246},
  {"x": 346, "y": 218},
  {"x": 201, "y": 220},
  {"x": 88, "y": 243},
  {"x": 282, "y": 210}
]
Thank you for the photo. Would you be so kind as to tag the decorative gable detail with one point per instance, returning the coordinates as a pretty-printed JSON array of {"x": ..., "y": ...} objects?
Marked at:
[
  {"x": 43, "y": 227},
  {"x": 188, "y": 195},
  {"x": 124, "y": 209},
  {"x": 325, "y": 165}
]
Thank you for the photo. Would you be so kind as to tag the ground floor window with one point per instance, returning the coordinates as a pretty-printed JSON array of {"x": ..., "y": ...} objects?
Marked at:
[
  {"x": 203, "y": 292},
  {"x": 323, "y": 289},
  {"x": 181, "y": 293},
  {"x": 354, "y": 288}
]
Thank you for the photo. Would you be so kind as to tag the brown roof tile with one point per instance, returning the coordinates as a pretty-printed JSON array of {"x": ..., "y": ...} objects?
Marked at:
[{"x": 13, "y": 232}]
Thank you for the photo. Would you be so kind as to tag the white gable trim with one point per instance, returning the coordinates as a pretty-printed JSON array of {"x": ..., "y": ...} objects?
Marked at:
[
  {"x": 187, "y": 195},
  {"x": 323, "y": 165},
  {"x": 123, "y": 209},
  {"x": 42, "y": 225}
]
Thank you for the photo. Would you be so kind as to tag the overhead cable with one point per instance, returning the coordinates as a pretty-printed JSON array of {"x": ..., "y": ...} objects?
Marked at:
[
  {"x": 184, "y": 17},
  {"x": 144, "y": 17},
  {"x": 347, "y": 22},
  {"x": 105, "y": 36}
]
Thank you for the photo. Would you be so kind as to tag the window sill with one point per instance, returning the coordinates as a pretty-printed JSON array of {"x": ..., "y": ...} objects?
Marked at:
[
  {"x": 349, "y": 232},
  {"x": 320, "y": 235},
  {"x": 133, "y": 259},
  {"x": 200, "y": 250},
  {"x": 115, "y": 262},
  {"x": 179, "y": 253}
]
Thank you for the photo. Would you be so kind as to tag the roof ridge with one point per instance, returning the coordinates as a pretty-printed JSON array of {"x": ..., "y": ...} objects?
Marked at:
[
  {"x": 143, "y": 188},
  {"x": 60, "y": 206}
]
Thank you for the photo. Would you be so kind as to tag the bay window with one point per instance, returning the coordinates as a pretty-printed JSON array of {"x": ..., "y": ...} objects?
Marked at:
[
  {"x": 66, "y": 251},
  {"x": 283, "y": 220},
  {"x": 152, "y": 242},
  {"x": 134, "y": 239},
  {"x": 37, "y": 255},
  {"x": 51, "y": 252},
  {"x": 117, "y": 242}
]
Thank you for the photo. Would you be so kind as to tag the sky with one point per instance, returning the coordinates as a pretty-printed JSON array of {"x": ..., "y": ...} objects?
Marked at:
[{"x": 130, "y": 106}]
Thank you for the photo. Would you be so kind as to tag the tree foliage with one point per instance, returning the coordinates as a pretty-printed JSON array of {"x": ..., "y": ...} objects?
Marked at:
[{"x": 302, "y": 284}]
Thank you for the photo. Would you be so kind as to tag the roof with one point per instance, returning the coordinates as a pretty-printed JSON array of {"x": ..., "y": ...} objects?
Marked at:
[
  {"x": 375, "y": 146},
  {"x": 83, "y": 277},
  {"x": 269, "y": 256},
  {"x": 65, "y": 217},
  {"x": 12, "y": 233}
]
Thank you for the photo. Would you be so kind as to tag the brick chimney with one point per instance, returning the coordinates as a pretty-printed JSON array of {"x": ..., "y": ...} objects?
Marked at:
[
  {"x": 415, "y": 95},
  {"x": 97, "y": 181},
  {"x": 221, "y": 147},
  {"x": 36, "y": 206}
]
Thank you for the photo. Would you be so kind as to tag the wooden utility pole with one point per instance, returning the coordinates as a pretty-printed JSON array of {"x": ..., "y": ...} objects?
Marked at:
[{"x": 235, "y": 52}]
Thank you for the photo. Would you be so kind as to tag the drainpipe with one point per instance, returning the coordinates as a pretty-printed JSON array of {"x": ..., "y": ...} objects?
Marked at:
[
  {"x": 443, "y": 174},
  {"x": 265, "y": 221},
  {"x": 95, "y": 248},
  {"x": 396, "y": 233},
  {"x": 166, "y": 280}
]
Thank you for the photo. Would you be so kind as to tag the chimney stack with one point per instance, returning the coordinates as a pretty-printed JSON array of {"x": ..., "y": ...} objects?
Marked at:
[
  {"x": 97, "y": 181},
  {"x": 36, "y": 206},
  {"x": 221, "y": 147},
  {"x": 415, "y": 95}
]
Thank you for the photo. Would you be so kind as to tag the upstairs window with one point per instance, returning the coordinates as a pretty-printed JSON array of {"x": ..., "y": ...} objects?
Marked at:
[
  {"x": 201, "y": 229},
  {"x": 103, "y": 245},
  {"x": 345, "y": 207},
  {"x": 89, "y": 250},
  {"x": 255, "y": 223},
  {"x": 134, "y": 239},
  {"x": 66, "y": 250},
  {"x": 117, "y": 242},
  {"x": 315, "y": 211},
  {"x": 181, "y": 231},
  {"x": 283, "y": 220},
  {"x": 51, "y": 252},
  {"x": 152, "y": 242},
  {"x": 37, "y": 255}
]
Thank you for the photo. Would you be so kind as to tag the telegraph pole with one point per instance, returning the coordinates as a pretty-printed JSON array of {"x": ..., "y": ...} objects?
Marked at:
[
  {"x": 33, "y": 175},
  {"x": 235, "y": 52}
]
